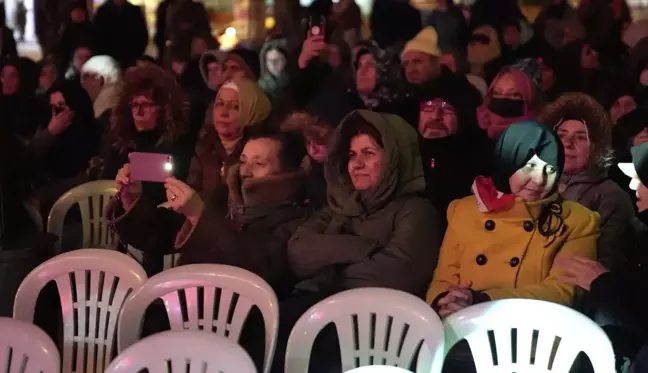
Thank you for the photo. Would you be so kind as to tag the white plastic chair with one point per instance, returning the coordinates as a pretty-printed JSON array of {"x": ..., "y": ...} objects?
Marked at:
[
  {"x": 92, "y": 285},
  {"x": 553, "y": 323},
  {"x": 24, "y": 348},
  {"x": 214, "y": 288},
  {"x": 183, "y": 351},
  {"x": 375, "y": 326},
  {"x": 92, "y": 198}
]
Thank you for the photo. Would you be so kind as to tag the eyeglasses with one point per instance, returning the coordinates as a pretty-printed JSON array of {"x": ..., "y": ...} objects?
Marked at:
[
  {"x": 147, "y": 106},
  {"x": 436, "y": 105}
]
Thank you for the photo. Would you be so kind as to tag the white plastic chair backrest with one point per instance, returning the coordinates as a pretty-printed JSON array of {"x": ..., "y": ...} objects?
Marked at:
[
  {"x": 553, "y": 323},
  {"x": 186, "y": 351},
  {"x": 92, "y": 285},
  {"x": 375, "y": 326},
  {"x": 24, "y": 348},
  {"x": 92, "y": 198},
  {"x": 225, "y": 294}
]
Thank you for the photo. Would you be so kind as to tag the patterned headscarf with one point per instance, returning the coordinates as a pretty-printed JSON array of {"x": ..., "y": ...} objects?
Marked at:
[{"x": 388, "y": 74}]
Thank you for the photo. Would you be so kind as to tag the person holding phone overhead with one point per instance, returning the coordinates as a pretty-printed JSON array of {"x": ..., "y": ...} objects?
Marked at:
[{"x": 323, "y": 54}]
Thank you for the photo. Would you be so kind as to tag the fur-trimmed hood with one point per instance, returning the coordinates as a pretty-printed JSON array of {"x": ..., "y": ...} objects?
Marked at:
[{"x": 583, "y": 107}]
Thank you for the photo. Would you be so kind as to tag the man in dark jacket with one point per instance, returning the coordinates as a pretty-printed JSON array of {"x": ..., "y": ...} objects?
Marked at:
[{"x": 121, "y": 31}]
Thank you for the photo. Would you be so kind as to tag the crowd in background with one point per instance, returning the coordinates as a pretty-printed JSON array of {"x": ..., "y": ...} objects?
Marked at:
[{"x": 461, "y": 154}]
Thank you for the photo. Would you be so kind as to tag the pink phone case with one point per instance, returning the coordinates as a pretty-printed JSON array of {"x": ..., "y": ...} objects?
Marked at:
[{"x": 152, "y": 167}]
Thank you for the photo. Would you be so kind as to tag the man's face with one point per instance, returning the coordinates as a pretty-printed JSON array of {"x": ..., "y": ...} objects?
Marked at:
[{"x": 420, "y": 67}]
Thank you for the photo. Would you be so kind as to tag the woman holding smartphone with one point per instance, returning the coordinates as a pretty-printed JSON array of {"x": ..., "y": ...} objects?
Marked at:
[{"x": 150, "y": 117}]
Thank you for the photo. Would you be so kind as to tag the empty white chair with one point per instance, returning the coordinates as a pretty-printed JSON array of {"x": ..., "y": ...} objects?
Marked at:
[
  {"x": 24, "y": 348},
  {"x": 185, "y": 289},
  {"x": 549, "y": 323},
  {"x": 92, "y": 284},
  {"x": 186, "y": 351},
  {"x": 92, "y": 198},
  {"x": 375, "y": 326}
]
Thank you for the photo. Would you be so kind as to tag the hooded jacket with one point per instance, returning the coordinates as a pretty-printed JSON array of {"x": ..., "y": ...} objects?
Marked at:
[
  {"x": 509, "y": 252},
  {"x": 384, "y": 237},
  {"x": 274, "y": 86},
  {"x": 591, "y": 187}
]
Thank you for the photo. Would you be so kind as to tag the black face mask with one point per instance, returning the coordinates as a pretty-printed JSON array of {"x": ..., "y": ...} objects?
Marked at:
[{"x": 506, "y": 107}]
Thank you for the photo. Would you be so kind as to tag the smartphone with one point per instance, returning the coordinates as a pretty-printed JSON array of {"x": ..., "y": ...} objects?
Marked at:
[
  {"x": 317, "y": 26},
  {"x": 151, "y": 167}
]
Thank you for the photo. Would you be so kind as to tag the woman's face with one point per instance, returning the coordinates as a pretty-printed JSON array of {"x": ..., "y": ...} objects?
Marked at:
[
  {"x": 260, "y": 158},
  {"x": 145, "y": 112},
  {"x": 622, "y": 106},
  {"x": 57, "y": 103},
  {"x": 548, "y": 77},
  {"x": 226, "y": 114},
  {"x": 640, "y": 138},
  {"x": 589, "y": 58},
  {"x": 437, "y": 119},
  {"x": 573, "y": 134},
  {"x": 534, "y": 181},
  {"x": 10, "y": 79},
  {"x": 275, "y": 62},
  {"x": 365, "y": 162},
  {"x": 47, "y": 76},
  {"x": 366, "y": 74},
  {"x": 505, "y": 87},
  {"x": 214, "y": 75}
]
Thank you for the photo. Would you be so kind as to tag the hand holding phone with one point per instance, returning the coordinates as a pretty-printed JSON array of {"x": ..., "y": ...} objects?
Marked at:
[
  {"x": 129, "y": 190},
  {"x": 150, "y": 167}
]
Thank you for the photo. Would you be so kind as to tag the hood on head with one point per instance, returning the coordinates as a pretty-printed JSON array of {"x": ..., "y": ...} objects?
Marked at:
[
  {"x": 206, "y": 58},
  {"x": 519, "y": 143},
  {"x": 584, "y": 108},
  {"x": 388, "y": 72},
  {"x": 104, "y": 66},
  {"x": 402, "y": 173},
  {"x": 267, "y": 81}
]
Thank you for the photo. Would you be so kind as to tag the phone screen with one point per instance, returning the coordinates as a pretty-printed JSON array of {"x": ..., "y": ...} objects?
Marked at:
[{"x": 151, "y": 167}]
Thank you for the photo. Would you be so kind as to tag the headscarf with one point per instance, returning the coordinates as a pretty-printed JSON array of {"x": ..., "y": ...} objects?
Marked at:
[
  {"x": 254, "y": 105},
  {"x": 388, "y": 75},
  {"x": 519, "y": 143},
  {"x": 526, "y": 74},
  {"x": 272, "y": 85}
]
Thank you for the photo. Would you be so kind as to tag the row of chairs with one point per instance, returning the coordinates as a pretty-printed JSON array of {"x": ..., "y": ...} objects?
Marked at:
[{"x": 105, "y": 294}]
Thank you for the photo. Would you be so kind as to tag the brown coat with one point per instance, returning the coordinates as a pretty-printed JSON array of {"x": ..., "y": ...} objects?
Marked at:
[{"x": 210, "y": 163}]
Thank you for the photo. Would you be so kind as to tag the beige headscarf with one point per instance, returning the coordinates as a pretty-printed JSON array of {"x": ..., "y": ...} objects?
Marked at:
[{"x": 254, "y": 105}]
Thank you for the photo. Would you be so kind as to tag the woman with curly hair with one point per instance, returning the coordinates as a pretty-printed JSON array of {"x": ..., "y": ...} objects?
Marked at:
[
  {"x": 151, "y": 117},
  {"x": 584, "y": 129}
]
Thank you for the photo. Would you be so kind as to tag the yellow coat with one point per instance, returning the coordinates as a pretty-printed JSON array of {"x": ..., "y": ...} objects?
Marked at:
[{"x": 504, "y": 254}]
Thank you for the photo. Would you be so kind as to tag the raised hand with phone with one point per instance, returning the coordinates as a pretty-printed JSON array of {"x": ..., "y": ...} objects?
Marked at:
[
  {"x": 316, "y": 44},
  {"x": 61, "y": 119}
]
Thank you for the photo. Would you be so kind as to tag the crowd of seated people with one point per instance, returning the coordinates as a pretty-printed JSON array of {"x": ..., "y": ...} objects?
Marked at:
[{"x": 460, "y": 155}]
